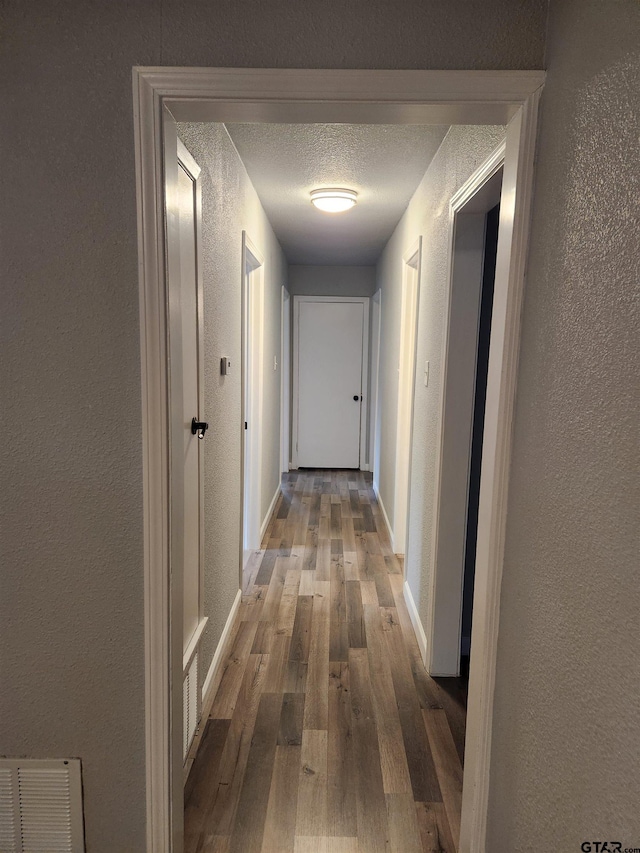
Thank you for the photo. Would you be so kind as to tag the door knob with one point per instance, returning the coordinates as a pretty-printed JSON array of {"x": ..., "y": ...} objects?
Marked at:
[
  {"x": 356, "y": 397},
  {"x": 199, "y": 427}
]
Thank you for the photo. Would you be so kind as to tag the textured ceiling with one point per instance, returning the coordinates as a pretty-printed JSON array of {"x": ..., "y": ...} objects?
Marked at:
[{"x": 383, "y": 163}]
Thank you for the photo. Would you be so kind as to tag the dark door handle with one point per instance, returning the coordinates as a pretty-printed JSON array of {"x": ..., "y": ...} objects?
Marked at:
[
  {"x": 356, "y": 397},
  {"x": 199, "y": 427}
]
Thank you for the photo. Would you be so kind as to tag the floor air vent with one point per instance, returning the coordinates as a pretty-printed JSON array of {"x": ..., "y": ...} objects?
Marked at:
[{"x": 40, "y": 806}]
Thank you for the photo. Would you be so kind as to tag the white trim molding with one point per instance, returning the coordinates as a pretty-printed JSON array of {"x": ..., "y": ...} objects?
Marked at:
[
  {"x": 456, "y": 412},
  {"x": 215, "y": 672},
  {"x": 270, "y": 511},
  {"x": 515, "y": 211},
  {"x": 374, "y": 350},
  {"x": 409, "y": 312},
  {"x": 421, "y": 637},
  {"x": 302, "y": 96},
  {"x": 285, "y": 380},
  {"x": 479, "y": 178},
  {"x": 384, "y": 515},
  {"x": 252, "y": 376}
]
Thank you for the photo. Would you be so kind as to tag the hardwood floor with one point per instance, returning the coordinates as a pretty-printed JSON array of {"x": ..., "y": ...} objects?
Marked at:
[{"x": 326, "y": 734}]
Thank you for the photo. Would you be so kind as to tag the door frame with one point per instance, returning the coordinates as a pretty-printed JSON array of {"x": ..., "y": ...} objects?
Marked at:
[
  {"x": 361, "y": 300},
  {"x": 409, "y": 308},
  {"x": 320, "y": 95},
  {"x": 450, "y": 516},
  {"x": 252, "y": 338},
  {"x": 285, "y": 381},
  {"x": 374, "y": 426}
]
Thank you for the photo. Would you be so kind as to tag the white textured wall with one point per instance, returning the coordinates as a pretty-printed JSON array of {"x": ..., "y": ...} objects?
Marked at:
[
  {"x": 313, "y": 280},
  {"x": 229, "y": 206},
  {"x": 566, "y": 741},
  {"x": 71, "y": 627},
  {"x": 462, "y": 151}
]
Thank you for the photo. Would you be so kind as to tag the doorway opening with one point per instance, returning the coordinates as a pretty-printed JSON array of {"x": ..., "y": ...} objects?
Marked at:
[
  {"x": 367, "y": 97},
  {"x": 374, "y": 425},
  {"x": 492, "y": 219},
  {"x": 474, "y": 221},
  {"x": 285, "y": 387}
]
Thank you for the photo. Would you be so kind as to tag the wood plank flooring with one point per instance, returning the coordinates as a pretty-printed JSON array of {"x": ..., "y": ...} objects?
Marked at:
[{"x": 326, "y": 734}]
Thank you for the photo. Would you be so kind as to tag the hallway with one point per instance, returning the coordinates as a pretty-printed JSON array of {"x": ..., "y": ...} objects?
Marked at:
[{"x": 326, "y": 734}]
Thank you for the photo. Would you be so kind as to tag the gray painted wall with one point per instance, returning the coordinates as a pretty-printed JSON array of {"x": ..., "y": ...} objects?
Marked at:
[
  {"x": 71, "y": 627},
  {"x": 72, "y": 668},
  {"x": 311, "y": 280},
  {"x": 229, "y": 206},
  {"x": 566, "y": 744}
]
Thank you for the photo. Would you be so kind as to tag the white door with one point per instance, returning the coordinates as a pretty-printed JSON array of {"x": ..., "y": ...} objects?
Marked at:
[
  {"x": 330, "y": 338},
  {"x": 183, "y": 212},
  {"x": 188, "y": 173}
]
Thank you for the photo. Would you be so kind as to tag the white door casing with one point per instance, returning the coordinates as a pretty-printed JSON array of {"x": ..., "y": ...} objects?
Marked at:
[
  {"x": 162, "y": 96},
  {"x": 374, "y": 415},
  {"x": 330, "y": 381},
  {"x": 467, "y": 211},
  {"x": 406, "y": 380},
  {"x": 252, "y": 392},
  {"x": 285, "y": 382}
]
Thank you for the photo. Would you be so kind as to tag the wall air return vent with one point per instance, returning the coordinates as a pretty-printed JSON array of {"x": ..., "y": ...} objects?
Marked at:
[{"x": 41, "y": 806}]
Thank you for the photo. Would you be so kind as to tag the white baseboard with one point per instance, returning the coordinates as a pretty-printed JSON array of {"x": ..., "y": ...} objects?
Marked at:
[
  {"x": 415, "y": 621},
  {"x": 214, "y": 676},
  {"x": 385, "y": 516},
  {"x": 365, "y": 467},
  {"x": 421, "y": 637},
  {"x": 267, "y": 517}
]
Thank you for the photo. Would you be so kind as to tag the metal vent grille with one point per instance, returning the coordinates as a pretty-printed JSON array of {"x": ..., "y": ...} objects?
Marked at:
[
  {"x": 41, "y": 806},
  {"x": 7, "y": 812},
  {"x": 190, "y": 704}
]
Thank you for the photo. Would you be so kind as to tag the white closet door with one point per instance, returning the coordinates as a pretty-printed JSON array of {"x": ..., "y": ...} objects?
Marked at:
[
  {"x": 330, "y": 360},
  {"x": 192, "y": 446}
]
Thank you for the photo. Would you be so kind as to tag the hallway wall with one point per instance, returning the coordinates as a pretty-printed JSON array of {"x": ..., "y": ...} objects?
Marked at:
[
  {"x": 461, "y": 152},
  {"x": 314, "y": 280},
  {"x": 566, "y": 744},
  {"x": 72, "y": 624},
  {"x": 229, "y": 206}
]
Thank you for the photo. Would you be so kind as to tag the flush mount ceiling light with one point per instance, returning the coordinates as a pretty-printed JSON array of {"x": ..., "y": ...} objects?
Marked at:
[{"x": 333, "y": 200}]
